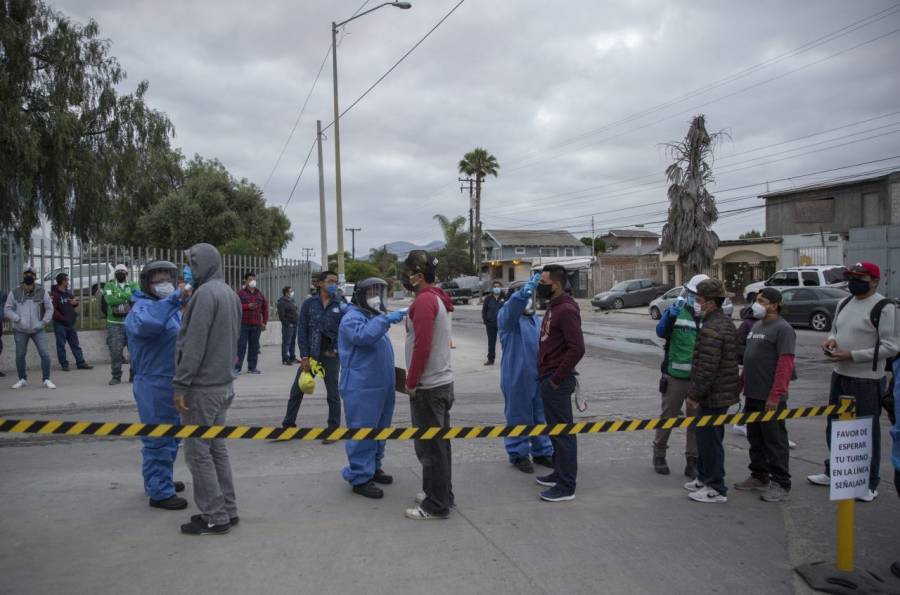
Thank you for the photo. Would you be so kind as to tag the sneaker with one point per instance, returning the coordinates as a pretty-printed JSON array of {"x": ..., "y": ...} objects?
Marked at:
[
  {"x": 489, "y": 363},
  {"x": 694, "y": 485},
  {"x": 556, "y": 494},
  {"x": 775, "y": 493},
  {"x": 420, "y": 497},
  {"x": 752, "y": 483},
  {"x": 237, "y": 371},
  {"x": 548, "y": 481},
  {"x": 869, "y": 497},
  {"x": 203, "y": 528},
  {"x": 819, "y": 479},
  {"x": 523, "y": 465},
  {"x": 792, "y": 444},
  {"x": 740, "y": 429},
  {"x": 382, "y": 477},
  {"x": 198, "y": 518},
  {"x": 85, "y": 367},
  {"x": 369, "y": 490},
  {"x": 64, "y": 368},
  {"x": 254, "y": 372},
  {"x": 707, "y": 496},
  {"x": 690, "y": 468},
  {"x": 660, "y": 465},
  {"x": 170, "y": 503},
  {"x": 544, "y": 461},
  {"x": 21, "y": 383},
  {"x": 48, "y": 384},
  {"x": 179, "y": 486},
  {"x": 114, "y": 381},
  {"x": 419, "y": 514}
]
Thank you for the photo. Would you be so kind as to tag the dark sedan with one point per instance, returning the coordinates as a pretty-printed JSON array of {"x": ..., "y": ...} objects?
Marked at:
[
  {"x": 627, "y": 294},
  {"x": 813, "y": 307}
]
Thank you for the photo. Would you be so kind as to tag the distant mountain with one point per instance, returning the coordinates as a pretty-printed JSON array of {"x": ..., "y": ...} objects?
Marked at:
[{"x": 402, "y": 249}]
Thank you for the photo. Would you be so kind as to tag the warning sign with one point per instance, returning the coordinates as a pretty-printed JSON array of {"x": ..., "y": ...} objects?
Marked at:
[{"x": 851, "y": 455}]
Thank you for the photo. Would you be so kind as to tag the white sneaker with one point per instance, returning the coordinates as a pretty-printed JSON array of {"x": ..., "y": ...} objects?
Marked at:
[
  {"x": 694, "y": 485},
  {"x": 740, "y": 429},
  {"x": 792, "y": 444},
  {"x": 48, "y": 384},
  {"x": 707, "y": 496},
  {"x": 869, "y": 497},
  {"x": 22, "y": 382},
  {"x": 819, "y": 479},
  {"x": 420, "y": 497}
]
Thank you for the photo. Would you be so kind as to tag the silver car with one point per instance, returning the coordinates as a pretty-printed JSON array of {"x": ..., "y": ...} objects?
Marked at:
[{"x": 658, "y": 306}]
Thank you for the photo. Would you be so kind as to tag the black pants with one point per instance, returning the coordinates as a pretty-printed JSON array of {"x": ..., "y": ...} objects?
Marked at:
[
  {"x": 558, "y": 410},
  {"x": 868, "y": 404},
  {"x": 769, "y": 449},
  {"x": 431, "y": 408},
  {"x": 492, "y": 341},
  {"x": 711, "y": 460},
  {"x": 332, "y": 367}
]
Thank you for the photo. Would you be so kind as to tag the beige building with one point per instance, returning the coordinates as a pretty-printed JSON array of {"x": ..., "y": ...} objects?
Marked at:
[{"x": 737, "y": 263}]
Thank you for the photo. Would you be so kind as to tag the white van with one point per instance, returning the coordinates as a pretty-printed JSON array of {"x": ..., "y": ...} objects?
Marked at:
[{"x": 83, "y": 276}]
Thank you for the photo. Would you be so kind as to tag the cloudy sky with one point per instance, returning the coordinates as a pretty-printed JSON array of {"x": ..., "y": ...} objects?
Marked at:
[{"x": 573, "y": 98}]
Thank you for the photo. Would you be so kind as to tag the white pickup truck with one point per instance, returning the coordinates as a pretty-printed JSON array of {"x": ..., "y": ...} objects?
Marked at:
[{"x": 830, "y": 275}]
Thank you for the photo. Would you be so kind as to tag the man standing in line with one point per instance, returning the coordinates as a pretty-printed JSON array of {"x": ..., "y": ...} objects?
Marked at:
[
  {"x": 64, "y": 317},
  {"x": 317, "y": 337},
  {"x": 429, "y": 383},
  {"x": 714, "y": 388},
  {"x": 204, "y": 387},
  {"x": 489, "y": 311},
  {"x": 29, "y": 307},
  {"x": 117, "y": 295},
  {"x": 287, "y": 314},
  {"x": 2, "y": 301},
  {"x": 255, "y": 316},
  {"x": 561, "y": 348},
  {"x": 863, "y": 335}
]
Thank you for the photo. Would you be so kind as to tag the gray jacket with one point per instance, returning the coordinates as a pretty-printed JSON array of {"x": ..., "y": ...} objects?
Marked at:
[
  {"x": 206, "y": 350},
  {"x": 30, "y": 311}
]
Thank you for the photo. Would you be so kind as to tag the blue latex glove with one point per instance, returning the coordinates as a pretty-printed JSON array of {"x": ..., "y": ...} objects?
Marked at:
[
  {"x": 188, "y": 275},
  {"x": 528, "y": 288},
  {"x": 395, "y": 317}
]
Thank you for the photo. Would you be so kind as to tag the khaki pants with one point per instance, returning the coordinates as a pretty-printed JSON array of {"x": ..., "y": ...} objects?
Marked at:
[{"x": 672, "y": 402}]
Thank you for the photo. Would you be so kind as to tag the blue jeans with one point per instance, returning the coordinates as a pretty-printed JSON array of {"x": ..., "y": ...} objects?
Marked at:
[
  {"x": 711, "y": 451},
  {"x": 288, "y": 341},
  {"x": 67, "y": 334},
  {"x": 868, "y": 404},
  {"x": 249, "y": 335},
  {"x": 40, "y": 341},
  {"x": 558, "y": 409}
]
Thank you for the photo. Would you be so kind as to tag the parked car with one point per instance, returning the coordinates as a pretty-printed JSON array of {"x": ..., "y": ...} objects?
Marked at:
[
  {"x": 659, "y": 305},
  {"x": 458, "y": 295},
  {"x": 807, "y": 276},
  {"x": 634, "y": 292},
  {"x": 85, "y": 276},
  {"x": 812, "y": 307}
]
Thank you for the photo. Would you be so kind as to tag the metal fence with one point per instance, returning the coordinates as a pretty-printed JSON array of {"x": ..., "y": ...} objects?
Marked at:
[
  {"x": 89, "y": 266},
  {"x": 605, "y": 277}
]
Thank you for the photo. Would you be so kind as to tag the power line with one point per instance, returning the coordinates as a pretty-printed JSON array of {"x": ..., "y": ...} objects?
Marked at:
[
  {"x": 397, "y": 63},
  {"x": 300, "y": 175}
]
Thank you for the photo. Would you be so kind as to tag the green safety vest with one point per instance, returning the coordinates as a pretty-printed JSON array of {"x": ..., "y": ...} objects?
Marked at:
[{"x": 681, "y": 345}]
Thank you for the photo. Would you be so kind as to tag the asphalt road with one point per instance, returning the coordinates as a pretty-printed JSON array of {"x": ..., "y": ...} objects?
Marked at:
[{"x": 74, "y": 518}]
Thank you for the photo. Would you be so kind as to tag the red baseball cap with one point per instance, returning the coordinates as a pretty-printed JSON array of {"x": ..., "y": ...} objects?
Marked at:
[{"x": 864, "y": 268}]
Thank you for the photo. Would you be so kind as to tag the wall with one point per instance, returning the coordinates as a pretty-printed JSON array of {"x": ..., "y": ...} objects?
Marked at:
[
  {"x": 848, "y": 209},
  {"x": 820, "y": 249},
  {"x": 880, "y": 245}
]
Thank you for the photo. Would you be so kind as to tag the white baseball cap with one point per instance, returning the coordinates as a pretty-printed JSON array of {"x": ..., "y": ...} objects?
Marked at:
[
  {"x": 28, "y": 269},
  {"x": 121, "y": 267}
]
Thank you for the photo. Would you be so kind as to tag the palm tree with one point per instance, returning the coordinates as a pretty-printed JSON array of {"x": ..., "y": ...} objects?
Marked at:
[
  {"x": 453, "y": 229},
  {"x": 384, "y": 260},
  {"x": 478, "y": 163},
  {"x": 692, "y": 209}
]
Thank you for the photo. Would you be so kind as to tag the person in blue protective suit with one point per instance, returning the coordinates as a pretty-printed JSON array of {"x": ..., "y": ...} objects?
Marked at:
[
  {"x": 152, "y": 327},
  {"x": 520, "y": 330},
  {"x": 367, "y": 382}
]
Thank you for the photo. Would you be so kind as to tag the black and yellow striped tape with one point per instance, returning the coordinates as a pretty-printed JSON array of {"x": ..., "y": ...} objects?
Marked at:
[{"x": 130, "y": 430}]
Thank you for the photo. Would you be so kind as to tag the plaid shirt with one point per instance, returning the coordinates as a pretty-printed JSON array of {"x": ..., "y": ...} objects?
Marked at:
[{"x": 258, "y": 316}]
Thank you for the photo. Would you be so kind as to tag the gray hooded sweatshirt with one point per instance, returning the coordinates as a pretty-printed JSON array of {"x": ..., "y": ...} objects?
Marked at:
[{"x": 207, "y": 344}]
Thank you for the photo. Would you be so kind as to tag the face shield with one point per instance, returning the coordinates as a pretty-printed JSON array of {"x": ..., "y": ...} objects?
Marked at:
[
  {"x": 371, "y": 295},
  {"x": 159, "y": 279}
]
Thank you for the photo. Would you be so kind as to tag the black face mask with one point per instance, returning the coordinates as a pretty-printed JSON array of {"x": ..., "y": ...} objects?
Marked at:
[
  {"x": 28, "y": 280},
  {"x": 858, "y": 286},
  {"x": 120, "y": 277},
  {"x": 408, "y": 286},
  {"x": 545, "y": 291}
]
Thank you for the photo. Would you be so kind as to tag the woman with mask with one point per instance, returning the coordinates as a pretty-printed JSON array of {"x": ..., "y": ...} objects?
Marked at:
[{"x": 367, "y": 383}]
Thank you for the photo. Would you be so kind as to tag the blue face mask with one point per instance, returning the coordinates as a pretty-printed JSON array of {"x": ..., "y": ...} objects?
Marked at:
[
  {"x": 690, "y": 299},
  {"x": 497, "y": 291},
  {"x": 331, "y": 290}
]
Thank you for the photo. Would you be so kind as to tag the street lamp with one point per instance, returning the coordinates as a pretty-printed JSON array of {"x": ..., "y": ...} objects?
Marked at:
[{"x": 337, "y": 132}]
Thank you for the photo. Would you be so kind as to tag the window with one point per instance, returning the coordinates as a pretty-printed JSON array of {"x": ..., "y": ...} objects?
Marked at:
[
  {"x": 810, "y": 279},
  {"x": 784, "y": 279},
  {"x": 633, "y": 286},
  {"x": 496, "y": 272},
  {"x": 834, "y": 275},
  {"x": 520, "y": 250},
  {"x": 804, "y": 295},
  {"x": 646, "y": 283},
  {"x": 511, "y": 276},
  {"x": 871, "y": 209},
  {"x": 814, "y": 211},
  {"x": 674, "y": 293},
  {"x": 570, "y": 252},
  {"x": 550, "y": 252}
]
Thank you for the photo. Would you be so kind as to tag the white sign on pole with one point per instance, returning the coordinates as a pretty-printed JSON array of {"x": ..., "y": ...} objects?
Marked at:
[{"x": 851, "y": 455}]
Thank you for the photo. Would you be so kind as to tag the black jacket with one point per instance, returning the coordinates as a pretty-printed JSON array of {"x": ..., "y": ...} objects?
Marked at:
[
  {"x": 287, "y": 310},
  {"x": 491, "y": 309},
  {"x": 714, "y": 373}
]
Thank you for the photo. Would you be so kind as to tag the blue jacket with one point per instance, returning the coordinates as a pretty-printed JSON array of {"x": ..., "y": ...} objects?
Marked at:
[
  {"x": 519, "y": 337},
  {"x": 367, "y": 363},
  {"x": 317, "y": 328},
  {"x": 152, "y": 327}
]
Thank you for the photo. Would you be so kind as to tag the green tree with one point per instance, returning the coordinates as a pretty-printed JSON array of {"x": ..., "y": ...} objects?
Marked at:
[
  {"x": 384, "y": 261},
  {"x": 752, "y": 235},
  {"x": 480, "y": 164},
  {"x": 454, "y": 232},
  {"x": 357, "y": 270},
  {"x": 692, "y": 209},
  {"x": 599, "y": 244},
  {"x": 452, "y": 263},
  {"x": 71, "y": 147},
  {"x": 213, "y": 207},
  {"x": 332, "y": 260}
]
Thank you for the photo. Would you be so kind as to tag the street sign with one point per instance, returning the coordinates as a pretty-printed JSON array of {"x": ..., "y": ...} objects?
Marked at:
[{"x": 851, "y": 454}]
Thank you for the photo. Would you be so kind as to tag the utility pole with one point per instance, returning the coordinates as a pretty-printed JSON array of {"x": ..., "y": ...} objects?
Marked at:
[
  {"x": 353, "y": 231},
  {"x": 323, "y": 234},
  {"x": 307, "y": 252},
  {"x": 462, "y": 187}
]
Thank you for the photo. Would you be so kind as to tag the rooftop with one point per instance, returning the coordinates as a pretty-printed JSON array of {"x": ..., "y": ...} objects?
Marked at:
[
  {"x": 631, "y": 233},
  {"x": 828, "y": 186},
  {"x": 536, "y": 237}
]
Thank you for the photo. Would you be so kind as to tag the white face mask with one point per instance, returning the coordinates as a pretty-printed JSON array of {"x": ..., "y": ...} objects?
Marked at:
[
  {"x": 759, "y": 311},
  {"x": 252, "y": 284},
  {"x": 291, "y": 294},
  {"x": 374, "y": 303},
  {"x": 698, "y": 309},
  {"x": 163, "y": 290}
]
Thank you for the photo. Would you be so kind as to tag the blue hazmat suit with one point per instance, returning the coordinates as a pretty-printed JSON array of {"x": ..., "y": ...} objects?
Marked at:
[
  {"x": 152, "y": 327},
  {"x": 367, "y": 387},
  {"x": 519, "y": 338}
]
